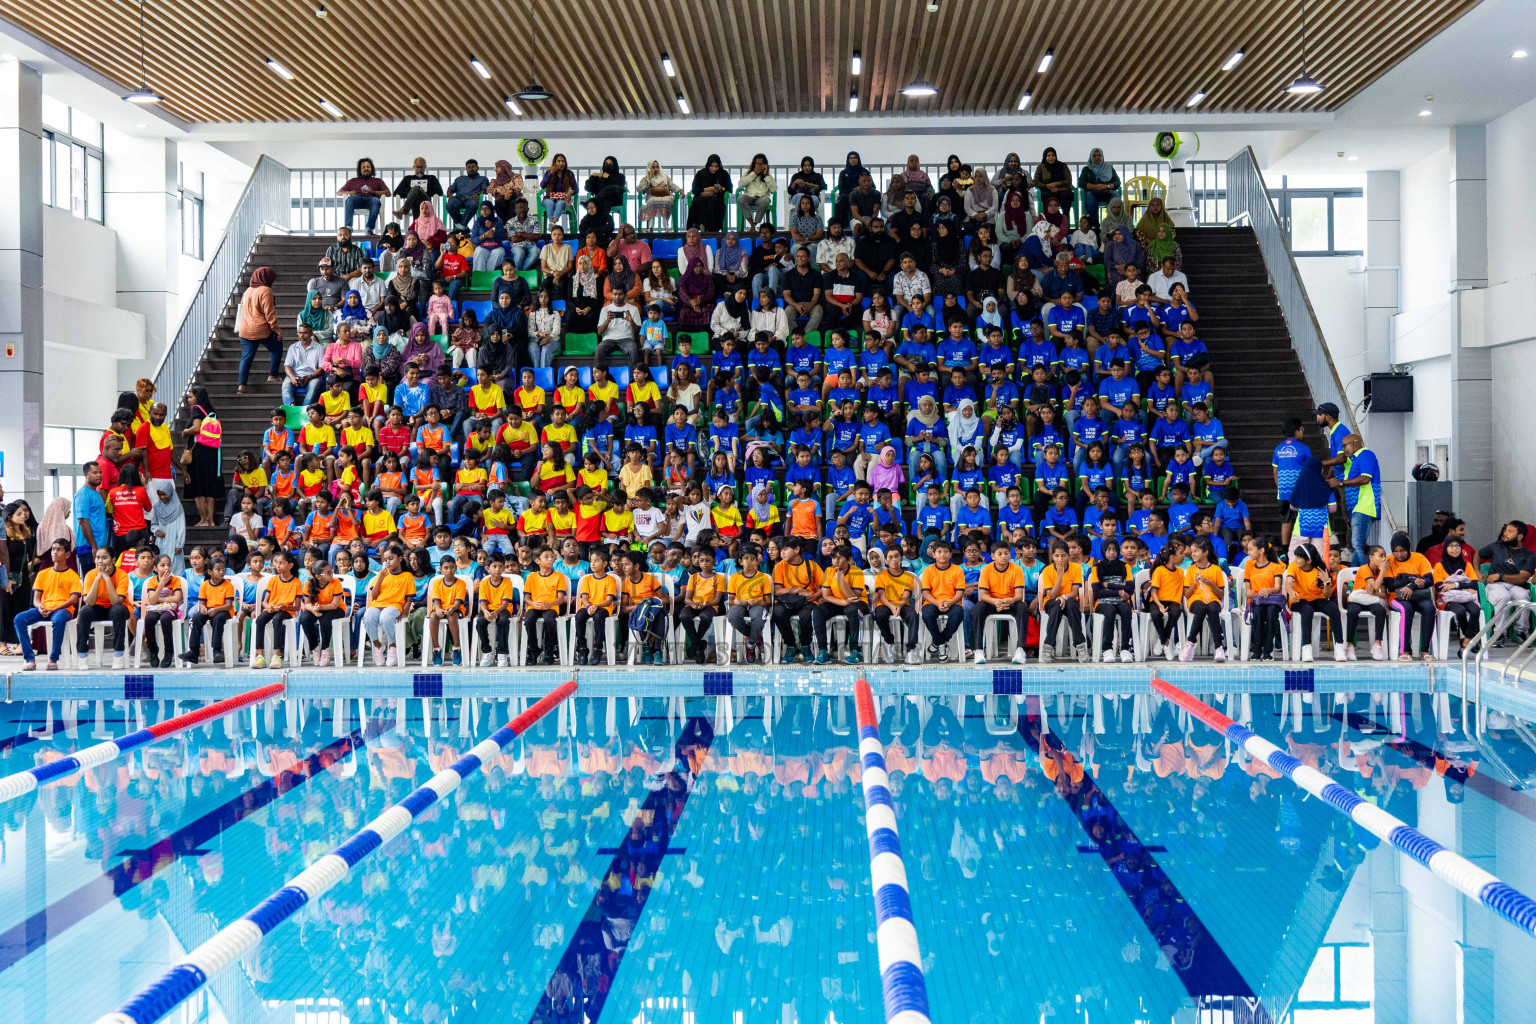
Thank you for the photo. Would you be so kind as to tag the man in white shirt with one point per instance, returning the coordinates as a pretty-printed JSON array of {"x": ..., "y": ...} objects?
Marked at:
[
  {"x": 301, "y": 369},
  {"x": 370, "y": 287},
  {"x": 617, "y": 324},
  {"x": 833, "y": 243},
  {"x": 1165, "y": 277},
  {"x": 910, "y": 287}
]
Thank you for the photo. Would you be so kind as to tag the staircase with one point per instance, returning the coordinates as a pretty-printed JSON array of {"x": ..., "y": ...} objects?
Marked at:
[
  {"x": 295, "y": 258},
  {"x": 1259, "y": 380}
]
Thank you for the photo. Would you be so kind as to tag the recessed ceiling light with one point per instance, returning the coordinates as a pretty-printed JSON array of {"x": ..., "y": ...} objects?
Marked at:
[
  {"x": 415, "y": 100},
  {"x": 1232, "y": 61},
  {"x": 920, "y": 87},
  {"x": 279, "y": 70},
  {"x": 1194, "y": 101},
  {"x": 856, "y": 65},
  {"x": 1519, "y": 55},
  {"x": 853, "y": 102},
  {"x": 1426, "y": 112},
  {"x": 1024, "y": 100},
  {"x": 666, "y": 66},
  {"x": 1045, "y": 62},
  {"x": 682, "y": 103},
  {"x": 480, "y": 69},
  {"x": 512, "y": 105},
  {"x": 141, "y": 124},
  {"x": 331, "y": 108},
  {"x": 1353, "y": 157}
]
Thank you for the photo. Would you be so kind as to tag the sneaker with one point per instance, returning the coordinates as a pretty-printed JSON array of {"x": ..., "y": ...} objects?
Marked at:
[
  {"x": 83, "y": 663},
  {"x": 30, "y": 666},
  {"x": 933, "y": 653},
  {"x": 788, "y": 657},
  {"x": 378, "y": 656},
  {"x": 458, "y": 657},
  {"x": 437, "y": 659},
  {"x": 1306, "y": 652},
  {"x": 1047, "y": 654},
  {"x": 487, "y": 660},
  {"x": 943, "y": 652},
  {"x": 1169, "y": 653},
  {"x": 852, "y": 658},
  {"x": 258, "y": 662},
  {"x": 502, "y": 661},
  {"x": 1349, "y": 653},
  {"x": 1019, "y": 656},
  {"x": 1126, "y": 657},
  {"x": 1219, "y": 655},
  {"x": 1157, "y": 648},
  {"x": 1187, "y": 652},
  {"x": 1083, "y": 654},
  {"x": 389, "y": 658},
  {"x": 656, "y": 659},
  {"x": 277, "y": 661},
  {"x": 1338, "y": 653},
  {"x": 118, "y": 661},
  {"x": 913, "y": 658},
  {"x": 1108, "y": 657},
  {"x": 1377, "y": 654},
  {"x": 821, "y": 659},
  {"x": 981, "y": 659}
]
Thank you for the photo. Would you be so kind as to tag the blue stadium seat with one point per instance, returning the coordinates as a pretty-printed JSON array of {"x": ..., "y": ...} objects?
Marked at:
[
  {"x": 621, "y": 375},
  {"x": 665, "y": 249},
  {"x": 662, "y": 376},
  {"x": 482, "y": 308},
  {"x": 583, "y": 374},
  {"x": 544, "y": 377}
]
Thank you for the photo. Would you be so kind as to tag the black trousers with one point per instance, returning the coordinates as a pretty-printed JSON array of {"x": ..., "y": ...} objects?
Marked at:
[
  {"x": 1206, "y": 613},
  {"x": 117, "y": 614},
  {"x": 599, "y": 619},
  {"x": 981, "y": 611},
  {"x": 1424, "y": 608},
  {"x": 908, "y": 615},
  {"x": 789, "y": 610},
  {"x": 1263, "y": 629},
  {"x": 1356, "y": 612},
  {"x": 1116, "y": 613},
  {"x": 1055, "y": 611},
  {"x": 695, "y": 623},
  {"x": 1468, "y": 616},
  {"x": 1307, "y": 610},
  {"x": 1166, "y": 622},
  {"x": 533, "y": 619},
  {"x": 195, "y": 641},
  {"x": 826, "y": 612},
  {"x": 317, "y": 628},
  {"x": 279, "y": 621},
  {"x": 165, "y": 623},
  {"x": 503, "y": 621}
]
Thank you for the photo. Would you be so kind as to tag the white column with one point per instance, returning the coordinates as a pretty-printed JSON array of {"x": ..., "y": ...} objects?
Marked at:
[
  {"x": 1384, "y": 431},
  {"x": 140, "y": 204},
  {"x": 1471, "y": 364},
  {"x": 21, "y": 281}
]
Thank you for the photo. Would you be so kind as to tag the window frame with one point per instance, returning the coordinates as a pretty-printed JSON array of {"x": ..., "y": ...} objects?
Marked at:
[
  {"x": 188, "y": 198},
  {"x": 1283, "y": 198},
  {"x": 91, "y": 189}
]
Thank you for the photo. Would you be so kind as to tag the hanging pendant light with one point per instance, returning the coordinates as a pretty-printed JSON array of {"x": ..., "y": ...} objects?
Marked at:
[
  {"x": 533, "y": 92},
  {"x": 1305, "y": 85},
  {"x": 143, "y": 94}
]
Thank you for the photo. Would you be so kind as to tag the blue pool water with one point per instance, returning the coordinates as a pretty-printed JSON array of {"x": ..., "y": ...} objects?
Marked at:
[{"x": 702, "y": 859}]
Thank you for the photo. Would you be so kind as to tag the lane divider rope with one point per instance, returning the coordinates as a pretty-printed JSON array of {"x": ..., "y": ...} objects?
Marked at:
[
  {"x": 1511, "y": 904},
  {"x": 193, "y": 970},
  {"x": 22, "y": 783},
  {"x": 901, "y": 961}
]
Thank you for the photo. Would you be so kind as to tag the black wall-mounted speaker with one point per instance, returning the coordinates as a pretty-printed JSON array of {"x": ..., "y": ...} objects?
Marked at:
[{"x": 1389, "y": 392}]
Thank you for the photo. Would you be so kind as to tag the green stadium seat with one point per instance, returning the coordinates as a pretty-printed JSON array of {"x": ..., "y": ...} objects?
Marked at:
[{"x": 579, "y": 345}]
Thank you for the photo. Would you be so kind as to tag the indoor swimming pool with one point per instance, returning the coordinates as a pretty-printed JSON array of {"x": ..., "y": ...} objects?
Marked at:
[{"x": 696, "y": 859}]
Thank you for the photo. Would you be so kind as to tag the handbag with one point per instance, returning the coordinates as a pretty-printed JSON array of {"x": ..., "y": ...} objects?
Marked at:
[{"x": 186, "y": 456}]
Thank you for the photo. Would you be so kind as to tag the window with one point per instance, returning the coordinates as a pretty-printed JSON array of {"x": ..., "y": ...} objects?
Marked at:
[
  {"x": 72, "y": 161},
  {"x": 1326, "y": 218},
  {"x": 189, "y": 188},
  {"x": 65, "y": 450}
]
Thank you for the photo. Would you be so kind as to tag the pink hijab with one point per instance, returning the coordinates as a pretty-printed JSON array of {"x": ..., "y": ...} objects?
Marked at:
[{"x": 427, "y": 227}]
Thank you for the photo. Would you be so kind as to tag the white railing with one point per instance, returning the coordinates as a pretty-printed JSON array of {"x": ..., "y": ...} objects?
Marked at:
[
  {"x": 317, "y": 209},
  {"x": 1248, "y": 203},
  {"x": 263, "y": 206}
]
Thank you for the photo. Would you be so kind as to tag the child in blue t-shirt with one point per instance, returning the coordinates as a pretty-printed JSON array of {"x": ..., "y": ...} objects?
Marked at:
[
  {"x": 1182, "y": 470},
  {"x": 1180, "y": 508},
  {"x": 801, "y": 354}
]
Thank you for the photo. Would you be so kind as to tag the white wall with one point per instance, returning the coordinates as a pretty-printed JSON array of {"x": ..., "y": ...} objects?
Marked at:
[
  {"x": 223, "y": 180},
  {"x": 1336, "y": 289},
  {"x": 1425, "y": 224},
  {"x": 1511, "y": 176}
]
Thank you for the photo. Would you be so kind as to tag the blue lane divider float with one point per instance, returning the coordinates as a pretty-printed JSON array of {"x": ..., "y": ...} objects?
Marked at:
[
  {"x": 901, "y": 961},
  {"x": 193, "y": 970},
  {"x": 1506, "y": 901}
]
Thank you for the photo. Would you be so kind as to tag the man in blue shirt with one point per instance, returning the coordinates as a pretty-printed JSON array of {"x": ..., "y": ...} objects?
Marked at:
[
  {"x": 957, "y": 349},
  {"x": 1064, "y": 316},
  {"x": 465, "y": 191},
  {"x": 1362, "y": 494},
  {"x": 1289, "y": 457},
  {"x": 90, "y": 515}
]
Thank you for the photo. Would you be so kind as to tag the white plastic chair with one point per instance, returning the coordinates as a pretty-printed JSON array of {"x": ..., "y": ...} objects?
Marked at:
[
  {"x": 67, "y": 651},
  {"x": 956, "y": 640},
  {"x": 568, "y": 638},
  {"x": 991, "y": 645},
  {"x": 632, "y": 649},
  {"x": 429, "y": 635}
]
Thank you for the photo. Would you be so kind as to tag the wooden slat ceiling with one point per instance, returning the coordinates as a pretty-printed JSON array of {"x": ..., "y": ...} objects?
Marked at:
[{"x": 734, "y": 58}]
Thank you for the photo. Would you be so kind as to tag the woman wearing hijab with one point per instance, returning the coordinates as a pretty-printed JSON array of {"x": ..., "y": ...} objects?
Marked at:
[
  {"x": 388, "y": 247},
  {"x": 1164, "y": 247},
  {"x": 422, "y": 351},
  {"x": 731, "y": 315},
  {"x": 597, "y": 224},
  {"x": 622, "y": 284},
  {"x": 847, "y": 181},
  {"x": 1013, "y": 224},
  {"x": 730, "y": 265},
  {"x": 1039, "y": 248},
  {"x": 754, "y": 197},
  {"x": 915, "y": 180},
  {"x": 258, "y": 329},
  {"x": 1149, "y": 228},
  {"x": 943, "y": 210},
  {"x": 1456, "y": 581},
  {"x": 706, "y": 210},
  {"x": 352, "y": 312},
  {"x": 1024, "y": 292},
  {"x": 807, "y": 181},
  {"x": 946, "y": 270},
  {"x": 890, "y": 201},
  {"x": 382, "y": 357},
  {"x": 695, "y": 249},
  {"x": 950, "y": 182},
  {"x": 1409, "y": 580},
  {"x": 586, "y": 299},
  {"x": 1121, "y": 251},
  {"x": 1112, "y": 215},
  {"x": 490, "y": 239},
  {"x": 1012, "y": 177},
  {"x": 926, "y": 436},
  {"x": 658, "y": 194},
  {"x": 428, "y": 227},
  {"x": 316, "y": 317},
  {"x": 991, "y": 316},
  {"x": 696, "y": 296},
  {"x": 393, "y": 317},
  {"x": 407, "y": 286},
  {"x": 559, "y": 186},
  {"x": 168, "y": 523},
  {"x": 1099, "y": 183},
  {"x": 606, "y": 187},
  {"x": 1057, "y": 219},
  {"x": 506, "y": 189},
  {"x": 1053, "y": 179},
  {"x": 980, "y": 200}
]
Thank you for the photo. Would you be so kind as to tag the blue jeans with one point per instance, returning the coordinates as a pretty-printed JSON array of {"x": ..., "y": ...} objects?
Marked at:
[
  {"x": 1362, "y": 534},
  {"x": 485, "y": 260},
  {"x": 32, "y": 617},
  {"x": 554, "y": 211},
  {"x": 524, "y": 255},
  {"x": 770, "y": 280},
  {"x": 461, "y": 210},
  {"x": 248, "y": 349},
  {"x": 541, "y": 356},
  {"x": 354, "y": 203},
  {"x": 311, "y": 392},
  {"x": 497, "y": 542}
]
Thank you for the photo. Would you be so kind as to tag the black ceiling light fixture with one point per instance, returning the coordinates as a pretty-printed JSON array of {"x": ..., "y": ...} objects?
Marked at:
[
  {"x": 1305, "y": 85},
  {"x": 533, "y": 92},
  {"x": 143, "y": 94}
]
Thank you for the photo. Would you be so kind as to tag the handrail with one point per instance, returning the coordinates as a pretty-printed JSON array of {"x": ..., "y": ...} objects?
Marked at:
[
  {"x": 264, "y": 205},
  {"x": 1500, "y": 617},
  {"x": 1510, "y": 661},
  {"x": 1248, "y": 198}
]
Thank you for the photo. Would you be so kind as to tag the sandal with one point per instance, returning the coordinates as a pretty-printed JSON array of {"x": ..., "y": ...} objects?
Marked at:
[{"x": 1405, "y": 656}]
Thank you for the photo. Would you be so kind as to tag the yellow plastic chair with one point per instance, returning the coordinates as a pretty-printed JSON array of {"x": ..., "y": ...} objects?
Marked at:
[{"x": 1138, "y": 192}]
